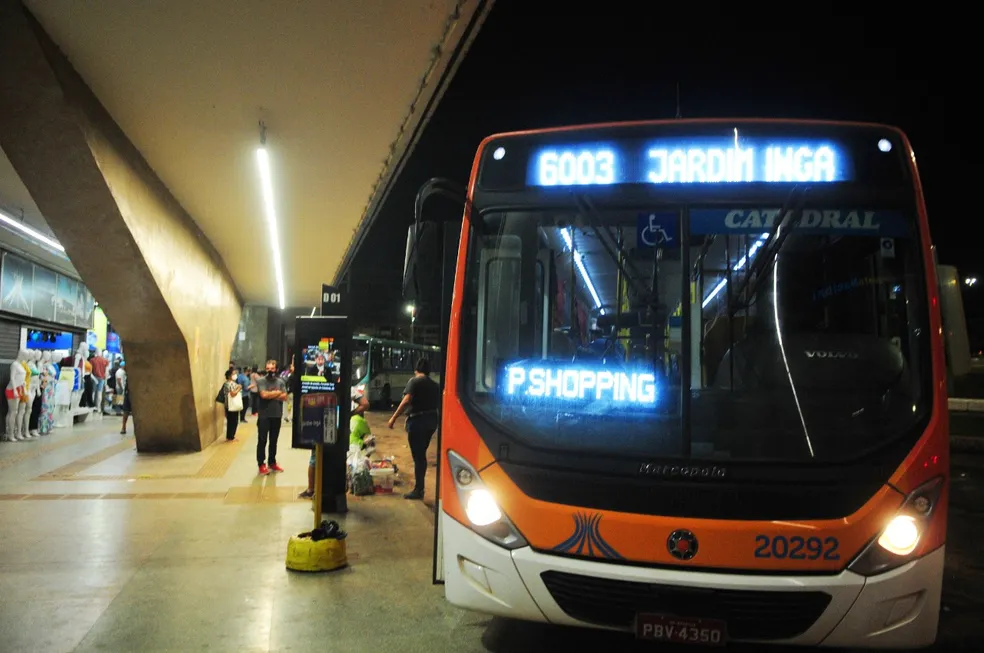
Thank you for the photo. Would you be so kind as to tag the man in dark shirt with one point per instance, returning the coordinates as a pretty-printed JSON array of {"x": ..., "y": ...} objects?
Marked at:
[
  {"x": 271, "y": 393},
  {"x": 422, "y": 397}
]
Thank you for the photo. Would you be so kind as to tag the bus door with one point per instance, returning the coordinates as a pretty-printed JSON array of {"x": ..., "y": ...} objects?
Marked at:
[{"x": 499, "y": 281}]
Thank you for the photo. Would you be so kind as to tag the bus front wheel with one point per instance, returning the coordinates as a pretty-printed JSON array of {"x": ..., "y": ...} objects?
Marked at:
[{"x": 385, "y": 397}]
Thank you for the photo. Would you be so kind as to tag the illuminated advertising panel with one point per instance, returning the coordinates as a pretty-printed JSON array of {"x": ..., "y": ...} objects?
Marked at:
[{"x": 319, "y": 383}]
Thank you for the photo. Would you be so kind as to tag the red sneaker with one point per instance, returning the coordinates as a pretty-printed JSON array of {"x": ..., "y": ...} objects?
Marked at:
[
  {"x": 276, "y": 468},
  {"x": 264, "y": 470}
]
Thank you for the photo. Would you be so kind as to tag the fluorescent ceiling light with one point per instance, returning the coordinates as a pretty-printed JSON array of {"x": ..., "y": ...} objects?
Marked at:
[
  {"x": 36, "y": 235},
  {"x": 266, "y": 182},
  {"x": 580, "y": 266}
]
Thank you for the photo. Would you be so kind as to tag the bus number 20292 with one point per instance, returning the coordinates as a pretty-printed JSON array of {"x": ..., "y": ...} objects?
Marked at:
[{"x": 796, "y": 547}]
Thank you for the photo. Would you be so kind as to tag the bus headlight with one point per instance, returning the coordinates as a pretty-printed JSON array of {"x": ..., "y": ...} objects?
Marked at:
[
  {"x": 900, "y": 536},
  {"x": 481, "y": 508},
  {"x": 899, "y": 539}
]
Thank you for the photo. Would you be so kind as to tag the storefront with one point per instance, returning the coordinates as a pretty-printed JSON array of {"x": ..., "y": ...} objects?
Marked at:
[{"x": 39, "y": 309}]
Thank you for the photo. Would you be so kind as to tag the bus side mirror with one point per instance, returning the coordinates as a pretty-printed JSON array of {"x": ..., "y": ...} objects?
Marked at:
[
  {"x": 954, "y": 322},
  {"x": 410, "y": 265},
  {"x": 422, "y": 265}
]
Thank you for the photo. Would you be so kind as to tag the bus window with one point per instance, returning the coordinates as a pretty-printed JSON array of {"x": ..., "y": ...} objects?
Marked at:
[
  {"x": 820, "y": 359},
  {"x": 608, "y": 300},
  {"x": 360, "y": 370}
]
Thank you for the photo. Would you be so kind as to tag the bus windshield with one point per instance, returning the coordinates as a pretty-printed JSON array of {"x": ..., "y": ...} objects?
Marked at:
[{"x": 588, "y": 332}]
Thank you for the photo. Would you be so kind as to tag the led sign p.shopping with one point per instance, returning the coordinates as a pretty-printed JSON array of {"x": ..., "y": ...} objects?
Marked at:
[
  {"x": 541, "y": 381},
  {"x": 685, "y": 162}
]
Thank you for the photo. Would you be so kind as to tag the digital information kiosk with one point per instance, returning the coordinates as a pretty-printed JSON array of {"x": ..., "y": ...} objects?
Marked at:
[{"x": 322, "y": 400}]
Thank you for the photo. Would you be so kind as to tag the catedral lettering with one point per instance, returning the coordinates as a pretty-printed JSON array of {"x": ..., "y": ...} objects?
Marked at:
[
  {"x": 768, "y": 218},
  {"x": 660, "y": 419}
]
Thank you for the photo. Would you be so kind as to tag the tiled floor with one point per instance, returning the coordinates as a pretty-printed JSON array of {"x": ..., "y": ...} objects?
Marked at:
[
  {"x": 102, "y": 549},
  {"x": 105, "y": 550}
]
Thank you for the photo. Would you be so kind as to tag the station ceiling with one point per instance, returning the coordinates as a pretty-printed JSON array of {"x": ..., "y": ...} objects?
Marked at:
[{"x": 343, "y": 89}]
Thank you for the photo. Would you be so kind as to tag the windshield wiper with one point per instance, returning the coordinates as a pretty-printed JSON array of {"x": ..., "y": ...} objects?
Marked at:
[{"x": 758, "y": 269}]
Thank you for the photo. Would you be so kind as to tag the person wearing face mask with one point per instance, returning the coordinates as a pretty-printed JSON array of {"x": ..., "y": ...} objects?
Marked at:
[{"x": 272, "y": 394}]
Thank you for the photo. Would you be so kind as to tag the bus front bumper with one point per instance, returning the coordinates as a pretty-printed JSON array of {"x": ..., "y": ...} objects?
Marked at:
[{"x": 897, "y": 609}]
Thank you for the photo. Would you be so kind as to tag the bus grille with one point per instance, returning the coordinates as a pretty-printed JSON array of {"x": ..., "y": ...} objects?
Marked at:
[{"x": 749, "y": 614}]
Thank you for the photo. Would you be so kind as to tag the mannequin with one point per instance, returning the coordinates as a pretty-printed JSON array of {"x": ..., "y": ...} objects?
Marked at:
[
  {"x": 15, "y": 390},
  {"x": 24, "y": 407},
  {"x": 79, "y": 371},
  {"x": 49, "y": 372},
  {"x": 34, "y": 407},
  {"x": 63, "y": 392},
  {"x": 80, "y": 354}
]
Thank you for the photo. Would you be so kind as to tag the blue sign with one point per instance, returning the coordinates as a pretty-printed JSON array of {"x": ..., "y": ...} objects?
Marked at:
[
  {"x": 572, "y": 384},
  {"x": 657, "y": 230},
  {"x": 686, "y": 161},
  {"x": 48, "y": 341},
  {"x": 853, "y": 221}
]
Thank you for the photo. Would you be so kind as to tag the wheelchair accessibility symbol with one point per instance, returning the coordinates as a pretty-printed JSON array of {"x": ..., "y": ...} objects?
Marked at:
[{"x": 657, "y": 229}]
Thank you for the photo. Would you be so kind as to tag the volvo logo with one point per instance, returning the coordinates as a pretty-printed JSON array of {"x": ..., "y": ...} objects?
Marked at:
[
  {"x": 831, "y": 355},
  {"x": 685, "y": 471},
  {"x": 682, "y": 544}
]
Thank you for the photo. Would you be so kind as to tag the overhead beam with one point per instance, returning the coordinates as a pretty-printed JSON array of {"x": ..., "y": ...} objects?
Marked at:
[{"x": 461, "y": 28}]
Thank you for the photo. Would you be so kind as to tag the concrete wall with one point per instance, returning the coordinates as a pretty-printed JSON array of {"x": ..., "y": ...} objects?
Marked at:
[
  {"x": 172, "y": 299},
  {"x": 253, "y": 325}
]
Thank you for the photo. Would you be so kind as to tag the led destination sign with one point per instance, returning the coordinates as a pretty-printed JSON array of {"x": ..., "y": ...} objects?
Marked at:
[
  {"x": 543, "y": 381},
  {"x": 677, "y": 161}
]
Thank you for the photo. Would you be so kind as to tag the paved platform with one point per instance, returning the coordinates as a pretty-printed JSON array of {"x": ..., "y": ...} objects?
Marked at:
[{"x": 105, "y": 550}]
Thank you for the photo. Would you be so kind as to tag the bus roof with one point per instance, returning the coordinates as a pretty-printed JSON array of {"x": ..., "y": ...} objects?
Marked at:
[{"x": 693, "y": 121}]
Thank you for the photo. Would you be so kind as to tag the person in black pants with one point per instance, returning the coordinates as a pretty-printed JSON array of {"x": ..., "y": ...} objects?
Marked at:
[
  {"x": 422, "y": 397},
  {"x": 272, "y": 393},
  {"x": 231, "y": 389}
]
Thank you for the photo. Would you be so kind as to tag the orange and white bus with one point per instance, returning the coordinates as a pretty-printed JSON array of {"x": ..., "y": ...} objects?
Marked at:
[{"x": 695, "y": 385}]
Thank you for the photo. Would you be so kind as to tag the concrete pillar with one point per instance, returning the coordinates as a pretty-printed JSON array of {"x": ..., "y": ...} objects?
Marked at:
[
  {"x": 163, "y": 285},
  {"x": 250, "y": 347}
]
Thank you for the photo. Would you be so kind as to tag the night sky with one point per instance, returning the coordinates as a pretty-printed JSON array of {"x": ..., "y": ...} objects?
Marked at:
[{"x": 544, "y": 64}]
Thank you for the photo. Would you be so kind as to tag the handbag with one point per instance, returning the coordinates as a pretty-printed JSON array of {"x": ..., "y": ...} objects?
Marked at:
[{"x": 234, "y": 403}]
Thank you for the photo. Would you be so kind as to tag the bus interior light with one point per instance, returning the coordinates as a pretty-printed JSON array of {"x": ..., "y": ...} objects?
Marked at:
[
  {"x": 898, "y": 543},
  {"x": 568, "y": 240},
  {"x": 481, "y": 508},
  {"x": 737, "y": 268}
]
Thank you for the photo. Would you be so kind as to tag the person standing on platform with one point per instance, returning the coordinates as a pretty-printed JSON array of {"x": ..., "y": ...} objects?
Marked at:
[
  {"x": 422, "y": 397},
  {"x": 242, "y": 378},
  {"x": 231, "y": 388},
  {"x": 272, "y": 394}
]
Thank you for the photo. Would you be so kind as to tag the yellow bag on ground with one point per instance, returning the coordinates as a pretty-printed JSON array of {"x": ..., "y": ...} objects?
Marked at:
[{"x": 305, "y": 554}]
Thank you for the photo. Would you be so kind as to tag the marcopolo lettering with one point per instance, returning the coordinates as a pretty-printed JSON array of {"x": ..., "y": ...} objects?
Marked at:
[
  {"x": 682, "y": 471},
  {"x": 766, "y": 219}
]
